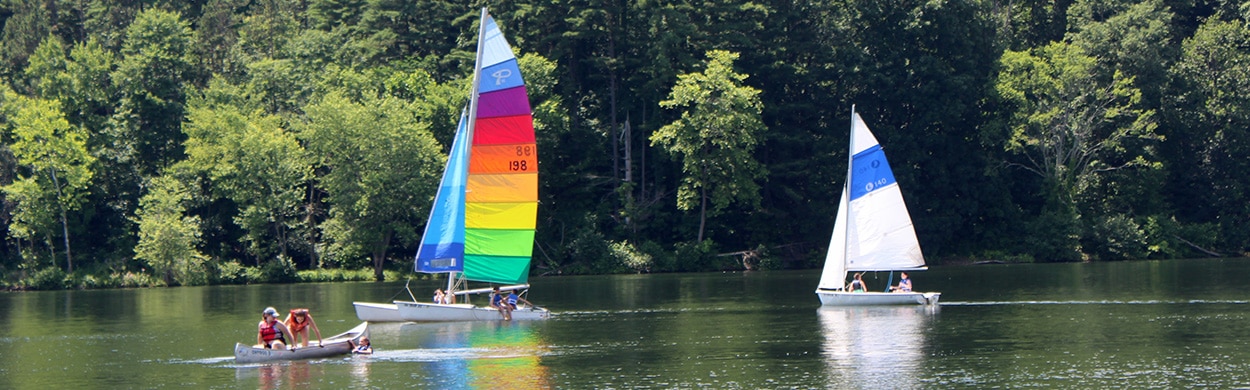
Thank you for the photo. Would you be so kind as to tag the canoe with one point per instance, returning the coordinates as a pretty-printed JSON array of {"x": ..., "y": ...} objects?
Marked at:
[{"x": 340, "y": 344}]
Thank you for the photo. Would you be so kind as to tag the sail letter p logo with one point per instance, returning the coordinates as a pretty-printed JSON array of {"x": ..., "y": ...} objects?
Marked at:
[{"x": 501, "y": 75}]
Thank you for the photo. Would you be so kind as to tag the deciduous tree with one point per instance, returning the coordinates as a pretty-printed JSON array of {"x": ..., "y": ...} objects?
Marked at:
[
  {"x": 380, "y": 167},
  {"x": 715, "y": 137},
  {"x": 56, "y": 170}
]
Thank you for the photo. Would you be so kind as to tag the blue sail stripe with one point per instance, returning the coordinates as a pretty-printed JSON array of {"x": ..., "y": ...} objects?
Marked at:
[{"x": 869, "y": 172}]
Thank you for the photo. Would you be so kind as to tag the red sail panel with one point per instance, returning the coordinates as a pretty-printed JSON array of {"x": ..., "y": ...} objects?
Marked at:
[{"x": 516, "y": 129}]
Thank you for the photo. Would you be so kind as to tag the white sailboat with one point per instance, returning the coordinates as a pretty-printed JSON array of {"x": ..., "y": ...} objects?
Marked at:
[
  {"x": 481, "y": 227},
  {"x": 873, "y": 231}
]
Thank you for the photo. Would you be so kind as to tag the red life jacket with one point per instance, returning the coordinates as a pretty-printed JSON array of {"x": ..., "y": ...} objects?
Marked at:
[{"x": 269, "y": 332}]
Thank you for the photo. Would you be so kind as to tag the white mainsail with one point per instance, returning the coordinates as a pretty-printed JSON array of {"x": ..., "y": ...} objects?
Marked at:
[{"x": 873, "y": 231}]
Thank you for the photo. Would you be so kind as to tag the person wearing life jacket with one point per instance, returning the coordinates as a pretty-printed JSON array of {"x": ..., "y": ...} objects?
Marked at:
[
  {"x": 904, "y": 284},
  {"x": 857, "y": 284},
  {"x": 271, "y": 334},
  {"x": 513, "y": 298},
  {"x": 364, "y": 348},
  {"x": 298, "y": 322},
  {"x": 499, "y": 302}
]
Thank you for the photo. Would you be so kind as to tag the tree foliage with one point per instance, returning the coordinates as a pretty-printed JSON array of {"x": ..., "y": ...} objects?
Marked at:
[
  {"x": 167, "y": 236},
  {"x": 715, "y": 137},
  {"x": 310, "y": 134},
  {"x": 381, "y": 167},
  {"x": 55, "y": 171}
]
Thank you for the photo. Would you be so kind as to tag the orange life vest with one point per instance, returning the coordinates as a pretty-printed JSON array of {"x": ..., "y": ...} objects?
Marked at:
[{"x": 296, "y": 326}]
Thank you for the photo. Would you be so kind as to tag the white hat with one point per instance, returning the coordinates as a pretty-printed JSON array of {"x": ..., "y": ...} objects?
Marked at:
[{"x": 270, "y": 311}]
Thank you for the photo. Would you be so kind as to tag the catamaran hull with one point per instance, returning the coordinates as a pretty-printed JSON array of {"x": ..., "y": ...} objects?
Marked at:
[
  {"x": 840, "y": 298},
  {"x": 377, "y": 312},
  {"x": 402, "y": 311},
  {"x": 425, "y": 312},
  {"x": 340, "y": 344}
]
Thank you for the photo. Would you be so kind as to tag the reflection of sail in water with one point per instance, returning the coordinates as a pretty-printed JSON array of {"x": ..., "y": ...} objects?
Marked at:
[
  {"x": 513, "y": 360},
  {"x": 875, "y": 347},
  {"x": 481, "y": 354}
]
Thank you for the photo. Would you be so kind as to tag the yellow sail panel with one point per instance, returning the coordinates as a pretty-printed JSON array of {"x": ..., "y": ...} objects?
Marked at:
[
  {"x": 503, "y": 188},
  {"x": 521, "y": 215}
]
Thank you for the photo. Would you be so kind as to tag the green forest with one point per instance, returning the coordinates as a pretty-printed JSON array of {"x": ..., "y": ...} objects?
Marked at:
[{"x": 156, "y": 142}]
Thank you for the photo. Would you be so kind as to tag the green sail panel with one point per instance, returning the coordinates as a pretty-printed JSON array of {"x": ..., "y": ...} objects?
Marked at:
[
  {"x": 497, "y": 269},
  {"x": 497, "y": 242}
]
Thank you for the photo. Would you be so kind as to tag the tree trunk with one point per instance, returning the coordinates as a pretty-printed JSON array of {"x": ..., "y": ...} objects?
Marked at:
[
  {"x": 69, "y": 258},
  {"x": 379, "y": 257},
  {"x": 702, "y": 211}
]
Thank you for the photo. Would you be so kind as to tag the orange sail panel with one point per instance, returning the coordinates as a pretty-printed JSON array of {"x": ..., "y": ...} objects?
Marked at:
[{"x": 507, "y": 158}]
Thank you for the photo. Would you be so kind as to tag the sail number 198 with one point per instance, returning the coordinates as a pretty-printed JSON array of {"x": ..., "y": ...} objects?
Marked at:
[{"x": 522, "y": 164}]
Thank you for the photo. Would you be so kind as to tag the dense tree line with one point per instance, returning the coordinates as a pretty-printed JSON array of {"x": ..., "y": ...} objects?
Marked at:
[{"x": 191, "y": 142}]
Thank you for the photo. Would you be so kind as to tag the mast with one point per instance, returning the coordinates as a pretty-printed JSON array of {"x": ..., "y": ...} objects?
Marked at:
[
  {"x": 846, "y": 190},
  {"x": 471, "y": 124}
]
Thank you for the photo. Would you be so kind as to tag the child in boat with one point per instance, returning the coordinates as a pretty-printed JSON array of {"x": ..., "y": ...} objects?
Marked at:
[
  {"x": 904, "y": 284},
  {"x": 271, "y": 334},
  {"x": 513, "y": 298},
  {"x": 500, "y": 303},
  {"x": 857, "y": 285},
  {"x": 298, "y": 322}
]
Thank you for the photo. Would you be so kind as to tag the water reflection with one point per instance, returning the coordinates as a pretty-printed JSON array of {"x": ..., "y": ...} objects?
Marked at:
[
  {"x": 875, "y": 347},
  {"x": 360, "y": 370},
  {"x": 487, "y": 354},
  {"x": 282, "y": 375}
]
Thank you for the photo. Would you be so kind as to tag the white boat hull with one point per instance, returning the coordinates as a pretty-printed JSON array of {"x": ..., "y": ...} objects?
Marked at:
[
  {"x": 402, "y": 311},
  {"x": 842, "y": 298},
  {"x": 377, "y": 312},
  {"x": 340, "y": 344}
]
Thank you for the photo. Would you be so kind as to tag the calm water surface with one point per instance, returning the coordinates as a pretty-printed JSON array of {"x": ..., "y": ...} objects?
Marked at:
[{"x": 1161, "y": 324}]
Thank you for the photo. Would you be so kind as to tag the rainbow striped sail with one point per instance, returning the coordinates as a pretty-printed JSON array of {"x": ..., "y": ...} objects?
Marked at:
[{"x": 484, "y": 215}]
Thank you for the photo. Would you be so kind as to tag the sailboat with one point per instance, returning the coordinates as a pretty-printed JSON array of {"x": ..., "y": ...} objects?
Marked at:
[
  {"x": 481, "y": 227},
  {"x": 873, "y": 231}
]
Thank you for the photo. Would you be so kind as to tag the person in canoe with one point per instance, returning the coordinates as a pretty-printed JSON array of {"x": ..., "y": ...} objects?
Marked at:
[
  {"x": 298, "y": 322},
  {"x": 271, "y": 334}
]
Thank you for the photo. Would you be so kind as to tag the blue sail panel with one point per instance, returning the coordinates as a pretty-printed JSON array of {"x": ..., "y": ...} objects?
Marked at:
[
  {"x": 869, "y": 172},
  {"x": 494, "y": 46},
  {"x": 500, "y": 76},
  {"x": 442, "y": 245}
]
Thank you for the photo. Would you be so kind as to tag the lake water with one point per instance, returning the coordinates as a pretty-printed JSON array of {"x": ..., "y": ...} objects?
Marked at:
[{"x": 1160, "y": 324}]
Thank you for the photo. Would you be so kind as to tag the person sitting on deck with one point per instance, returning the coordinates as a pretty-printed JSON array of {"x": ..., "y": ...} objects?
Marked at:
[
  {"x": 857, "y": 285},
  {"x": 498, "y": 302},
  {"x": 904, "y": 284},
  {"x": 512, "y": 298}
]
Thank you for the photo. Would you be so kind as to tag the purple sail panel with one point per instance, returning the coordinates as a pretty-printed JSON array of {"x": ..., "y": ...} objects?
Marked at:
[{"x": 507, "y": 102}]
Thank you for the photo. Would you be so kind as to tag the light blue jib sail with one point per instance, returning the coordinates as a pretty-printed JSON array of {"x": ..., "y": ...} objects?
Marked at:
[{"x": 442, "y": 245}]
